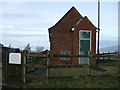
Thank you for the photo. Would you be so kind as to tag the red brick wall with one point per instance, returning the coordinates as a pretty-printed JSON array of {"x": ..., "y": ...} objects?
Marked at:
[
  {"x": 85, "y": 25},
  {"x": 61, "y": 38}
]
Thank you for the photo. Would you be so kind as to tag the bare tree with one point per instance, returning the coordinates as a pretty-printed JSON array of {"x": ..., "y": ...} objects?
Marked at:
[
  {"x": 9, "y": 46},
  {"x": 28, "y": 48},
  {"x": 39, "y": 49}
]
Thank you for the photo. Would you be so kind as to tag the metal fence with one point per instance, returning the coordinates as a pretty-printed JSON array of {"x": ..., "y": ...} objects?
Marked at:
[{"x": 108, "y": 58}]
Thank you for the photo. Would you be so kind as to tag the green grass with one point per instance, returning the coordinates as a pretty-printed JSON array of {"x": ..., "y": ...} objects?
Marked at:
[
  {"x": 83, "y": 82},
  {"x": 111, "y": 67},
  {"x": 78, "y": 83},
  {"x": 68, "y": 71},
  {"x": 37, "y": 61},
  {"x": 108, "y": 63}
]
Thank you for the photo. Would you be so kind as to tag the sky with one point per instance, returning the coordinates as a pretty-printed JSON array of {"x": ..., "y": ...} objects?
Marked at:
[{"x": 28, "y": 22}]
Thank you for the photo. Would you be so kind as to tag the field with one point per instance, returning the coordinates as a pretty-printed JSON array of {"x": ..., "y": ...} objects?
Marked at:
[{"x": 109, "y": 80}]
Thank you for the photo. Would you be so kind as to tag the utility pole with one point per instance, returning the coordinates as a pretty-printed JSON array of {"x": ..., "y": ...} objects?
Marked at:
[{"x": 98, "y": 27}]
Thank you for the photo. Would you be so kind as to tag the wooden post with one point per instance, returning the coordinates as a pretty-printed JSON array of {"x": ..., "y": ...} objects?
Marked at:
[
  {"x": 119, "y": 66},
  {"x": 6, "y": 60},
  {"x": 24, "y": 67},
  {"x": 6, "y": 64},
  {"x": 47, "y": 68},
  {"x": 118, "y": 69},
  {"x": 103, "y": 57},
  {"x": 108, "y": 56},
  {"x": 30, "y": 60},
  {"x": 89, "y": 60},
  {"x": 88, "y": 77}
]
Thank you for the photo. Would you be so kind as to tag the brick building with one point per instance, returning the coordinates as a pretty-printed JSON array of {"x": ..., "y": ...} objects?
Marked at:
[{"x": 72, "y": 34}]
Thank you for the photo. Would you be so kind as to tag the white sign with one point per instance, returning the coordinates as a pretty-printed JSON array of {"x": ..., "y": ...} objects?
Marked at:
[{"x": 15, "y": 58}]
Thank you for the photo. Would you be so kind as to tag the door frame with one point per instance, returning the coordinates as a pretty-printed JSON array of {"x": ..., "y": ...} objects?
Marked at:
[{"x": 85, "y": 39}]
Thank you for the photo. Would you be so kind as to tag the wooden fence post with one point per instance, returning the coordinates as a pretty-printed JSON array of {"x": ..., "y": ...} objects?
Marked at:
[
  {"x": 103, "y": 57},
  {"x": 88, "y": 78},
  {"x": 24, "y": 67},
  {"x": 6, "y": 65},
  {"x": 118, "y": 68},
  {"x": 109, "y": 56},
  {"x": 89, "y": 60},
  {"x": 48, "y": 68}
]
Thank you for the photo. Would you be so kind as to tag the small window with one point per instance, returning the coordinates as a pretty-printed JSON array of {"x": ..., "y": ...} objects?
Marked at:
[
  {"x": 85, "y": 34},
  {"x": 65, "y": 53},
  {"x": 50, "y": 35}
]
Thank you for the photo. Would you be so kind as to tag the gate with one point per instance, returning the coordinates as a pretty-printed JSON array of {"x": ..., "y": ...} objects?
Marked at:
[
  {"x": 12, "y": 74},
  {"x": 18, "y": 75},
  {"x": 35, "y": 65}
]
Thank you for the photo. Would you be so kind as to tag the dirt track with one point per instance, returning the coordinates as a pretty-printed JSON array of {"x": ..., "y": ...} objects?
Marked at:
[{"x": 38, "y": 71}]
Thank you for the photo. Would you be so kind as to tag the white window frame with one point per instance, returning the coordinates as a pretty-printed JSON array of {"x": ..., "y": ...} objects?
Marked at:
[
  {"x": 65, "y": 53},
  {"x": 80, "y": 38},
  {"x": 85, "y": 39}
]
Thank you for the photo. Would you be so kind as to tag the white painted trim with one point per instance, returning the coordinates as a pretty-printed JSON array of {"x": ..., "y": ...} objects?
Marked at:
[{"x": 85, "y": 39}]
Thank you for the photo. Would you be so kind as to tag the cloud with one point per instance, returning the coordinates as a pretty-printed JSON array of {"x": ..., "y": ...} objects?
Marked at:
[
  {"x": 110, "y": 49},
  {"x": 110, "y": 38},
  {"x": 57, "y": 1},
  {"x": 22, "y": 40},
  {"x": 108, "y": 41},
  {"x": 23, "y": 35},
  {"x": 15, "y": 15},
  {"x": 26, "y": 22}
]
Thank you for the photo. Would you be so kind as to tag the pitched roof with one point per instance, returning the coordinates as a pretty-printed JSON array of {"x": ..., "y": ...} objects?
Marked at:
[
  {"x": 71, "y": 19},
  {"x": 82, "y": 19},
  {"x": 70, "y": 15},
  {"x": 89, "y": 21}
]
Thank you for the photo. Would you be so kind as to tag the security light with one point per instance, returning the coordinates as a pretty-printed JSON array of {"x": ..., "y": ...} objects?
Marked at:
[{"x": 72, "y": 29}]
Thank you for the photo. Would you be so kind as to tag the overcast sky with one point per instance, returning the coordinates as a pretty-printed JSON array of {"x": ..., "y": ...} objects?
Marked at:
[{"x": 28, "y": 22}]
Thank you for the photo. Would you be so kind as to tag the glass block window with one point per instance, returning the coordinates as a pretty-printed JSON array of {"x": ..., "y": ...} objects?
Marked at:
[
  {"x": 65, "y": 53},
  {"x": 85, "y": 34}
]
